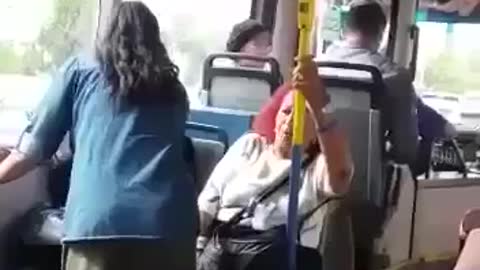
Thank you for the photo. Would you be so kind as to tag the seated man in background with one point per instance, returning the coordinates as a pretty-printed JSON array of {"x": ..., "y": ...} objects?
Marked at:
[
  {"x": 406, "y": 116},
  {"x": 365, "y": 26}
]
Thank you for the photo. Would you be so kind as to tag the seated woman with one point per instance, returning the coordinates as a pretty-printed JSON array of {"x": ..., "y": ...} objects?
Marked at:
[{"x": 263, "y": 157}]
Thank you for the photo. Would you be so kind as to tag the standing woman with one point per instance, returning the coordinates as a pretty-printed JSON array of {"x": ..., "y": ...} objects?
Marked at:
[{"x": 131, "y": 203}]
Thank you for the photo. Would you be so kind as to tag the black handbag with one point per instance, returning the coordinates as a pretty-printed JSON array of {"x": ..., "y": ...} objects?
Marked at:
[
  {"x": 446, "y": 157},
  {"x": 236, "y": 247}
]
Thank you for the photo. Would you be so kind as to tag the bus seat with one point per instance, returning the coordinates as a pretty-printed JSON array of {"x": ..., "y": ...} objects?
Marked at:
[
  {"x": 236, "y": 87},
  {"x": 209, "y": 145},
  {"x": 207, "y": 154},
  {"x": 208, "y": 132},
  {"x": 362, "y": 127},
  {"x": 234, "y": 122},
  {"x": 357, "y": 102},
  {"x": 357, "y": 107}
]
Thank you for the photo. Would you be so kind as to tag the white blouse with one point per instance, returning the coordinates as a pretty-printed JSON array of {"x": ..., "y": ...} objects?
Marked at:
[{"x": 247, "y": 169}]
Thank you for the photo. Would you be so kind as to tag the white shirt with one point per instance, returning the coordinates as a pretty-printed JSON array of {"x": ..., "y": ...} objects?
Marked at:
[{"x": 246, "y": 170}]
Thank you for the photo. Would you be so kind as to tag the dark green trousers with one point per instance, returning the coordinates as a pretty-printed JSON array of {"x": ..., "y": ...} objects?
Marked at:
[
  {"x": 336, "y": 240},
  {"x": 130, "y": 255}
]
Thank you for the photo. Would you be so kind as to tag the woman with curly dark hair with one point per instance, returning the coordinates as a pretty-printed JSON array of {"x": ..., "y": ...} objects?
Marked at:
[{"x": 131, "y": 203}]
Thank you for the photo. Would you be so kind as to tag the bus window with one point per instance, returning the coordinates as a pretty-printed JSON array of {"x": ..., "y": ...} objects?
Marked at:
[
  {"x": 193, "y": 29},
  {"x": 449, "y": 63},
  {"x": 36, "y": 37}
]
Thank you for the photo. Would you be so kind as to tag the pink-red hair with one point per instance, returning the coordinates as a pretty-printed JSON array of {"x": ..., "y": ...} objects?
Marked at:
[{"x": 264, "y": 122}]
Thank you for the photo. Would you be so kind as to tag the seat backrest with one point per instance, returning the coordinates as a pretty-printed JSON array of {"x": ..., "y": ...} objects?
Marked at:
[
  {"x": 207, "y": 154},
  {"x": 236, "y": 87},
  {"x": 357, "y": 101},
  {"x": 207, "y": 132},
  {"x": 209, "y": 145},
  {"x": 363, "y": 129},
  {"x": 234, "y": 122}
]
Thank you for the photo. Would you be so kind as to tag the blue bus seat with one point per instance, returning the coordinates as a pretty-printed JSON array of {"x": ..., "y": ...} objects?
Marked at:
[
  {"x": 234, "y": 122},
  {"x": 210, "y": 143},
  {"x": 208, "y": 132}
]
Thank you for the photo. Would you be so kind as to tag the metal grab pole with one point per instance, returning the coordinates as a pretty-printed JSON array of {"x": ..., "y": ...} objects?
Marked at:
[{"x": 306, "y": 12}]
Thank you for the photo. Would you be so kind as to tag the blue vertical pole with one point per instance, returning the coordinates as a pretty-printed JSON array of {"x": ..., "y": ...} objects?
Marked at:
[{"x": 292, "y": 225}]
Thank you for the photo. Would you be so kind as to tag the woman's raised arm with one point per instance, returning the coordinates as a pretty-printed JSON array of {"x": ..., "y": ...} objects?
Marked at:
[{"x": 332, "y": 139}]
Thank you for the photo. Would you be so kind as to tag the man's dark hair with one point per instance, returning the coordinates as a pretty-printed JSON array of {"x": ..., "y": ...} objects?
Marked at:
[
  {"x": 366, "y": 17},
  {"x": 133, "y": 58}
]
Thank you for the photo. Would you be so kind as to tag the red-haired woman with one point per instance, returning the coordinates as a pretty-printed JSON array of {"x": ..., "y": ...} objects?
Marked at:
[{"x": 262, "y": 158}]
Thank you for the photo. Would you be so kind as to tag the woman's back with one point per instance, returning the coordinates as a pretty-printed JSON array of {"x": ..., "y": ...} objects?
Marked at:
[
  {"x": 125, "y": 112},
  {"x": 128, "y": 163}
]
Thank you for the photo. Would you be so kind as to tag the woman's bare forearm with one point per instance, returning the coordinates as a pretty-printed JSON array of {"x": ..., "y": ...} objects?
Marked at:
[
  {"x": 335, "y": 147},
  {"x": 15, "y": 166}
]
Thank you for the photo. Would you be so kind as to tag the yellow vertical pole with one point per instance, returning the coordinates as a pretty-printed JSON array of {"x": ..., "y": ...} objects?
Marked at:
[{"x": 306, "y": 12}]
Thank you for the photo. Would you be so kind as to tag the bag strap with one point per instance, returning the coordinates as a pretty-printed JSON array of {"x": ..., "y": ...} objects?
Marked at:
[
  {"x": 262, "y": 196},
  {"x": 310, "y": 213}
]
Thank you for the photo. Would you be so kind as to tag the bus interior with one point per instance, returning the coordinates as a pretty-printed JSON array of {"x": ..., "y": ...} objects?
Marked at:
[{"x": 398, "y": 221}]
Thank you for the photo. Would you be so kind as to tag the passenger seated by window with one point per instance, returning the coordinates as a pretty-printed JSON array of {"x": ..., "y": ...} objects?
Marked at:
[
  {"x": 262, "y": 158},
  {"x": 365, "y": 25},
  {"x": 131, "y": 203},
  {"x": 250, "y": 37}
]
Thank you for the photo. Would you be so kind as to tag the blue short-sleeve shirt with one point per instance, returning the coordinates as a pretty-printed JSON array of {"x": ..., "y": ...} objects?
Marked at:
[{"x": 129, "y": 178}]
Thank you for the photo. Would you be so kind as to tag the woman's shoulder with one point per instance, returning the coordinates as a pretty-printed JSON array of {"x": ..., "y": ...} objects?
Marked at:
[
  {"x": 251, "y": 140},
  {"x": 249, "y": 144}
]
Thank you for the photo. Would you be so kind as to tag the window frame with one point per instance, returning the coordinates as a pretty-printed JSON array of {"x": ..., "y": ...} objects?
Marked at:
[{"x": 264, "y": 11}]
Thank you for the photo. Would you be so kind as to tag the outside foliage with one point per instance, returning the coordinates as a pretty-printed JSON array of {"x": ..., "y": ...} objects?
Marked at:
[
  {"x": 64, "y": 32},
  {"x": 71, "y": 23},
  {"x": 450, "y": 72}
]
